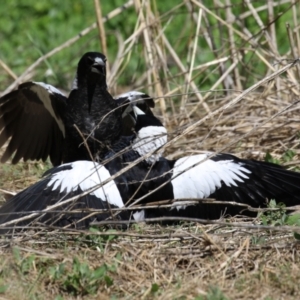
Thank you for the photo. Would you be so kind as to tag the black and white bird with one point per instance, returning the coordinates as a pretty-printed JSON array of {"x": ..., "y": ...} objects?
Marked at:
[
  {"x": 133, "y": 99},
  {"x": 86, "y": 185},
  {"x": 223, "y": 177},
  {"x": 61, "y": 190},
  {"x": 38, "y": 120}
]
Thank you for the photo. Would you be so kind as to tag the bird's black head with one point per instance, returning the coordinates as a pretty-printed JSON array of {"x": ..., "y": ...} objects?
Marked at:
[
  {"x": 91, "y": 72},
  {"x": 143, "y": 120},
  {"x": 92, "y": 64}
]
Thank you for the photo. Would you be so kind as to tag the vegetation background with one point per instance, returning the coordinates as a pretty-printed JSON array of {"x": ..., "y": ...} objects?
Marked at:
[{"x": 196, "y": 58}]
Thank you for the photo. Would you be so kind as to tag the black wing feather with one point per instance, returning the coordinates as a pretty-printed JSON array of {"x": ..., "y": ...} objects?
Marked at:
[{"x": 32, "y": 116}]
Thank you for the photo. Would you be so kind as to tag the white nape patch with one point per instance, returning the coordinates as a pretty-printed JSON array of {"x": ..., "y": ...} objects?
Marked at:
[
  {"x": 99, "y": 61},
  {"x": 148, "y": 139},
  {"x": 132, "y": 95},
  {"x": 43, "y": 95},
  {"x": 75, "y": 83},
  {"x": 205, "y": 178},
  {"x": 86, "y": 175},
  {"x": 139, "y": 215}
]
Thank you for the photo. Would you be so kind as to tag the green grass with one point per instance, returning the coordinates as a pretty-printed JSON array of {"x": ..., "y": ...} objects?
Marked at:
[{"x": 30, "y": 29}]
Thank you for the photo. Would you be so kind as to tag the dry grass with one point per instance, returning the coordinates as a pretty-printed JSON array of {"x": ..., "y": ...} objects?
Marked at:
[{"x": 231, "y": 259}]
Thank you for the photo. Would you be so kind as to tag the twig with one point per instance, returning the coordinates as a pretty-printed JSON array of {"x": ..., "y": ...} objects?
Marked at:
[{"x": 102, "y": 35}]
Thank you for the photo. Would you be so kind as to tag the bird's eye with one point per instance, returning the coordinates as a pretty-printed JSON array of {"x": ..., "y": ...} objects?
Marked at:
[{"x": 90, "y": 60}]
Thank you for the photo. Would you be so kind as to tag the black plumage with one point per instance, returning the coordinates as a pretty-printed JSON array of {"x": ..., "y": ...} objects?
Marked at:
[
  {"x": 89, "y": 182},
  {"x": 223, "y": 177},
  {"x": 39, "y": 120},
  {"x": 79, "y": 186},
  {"x": 249, "y": 182},
  {"x": 35, "y": 127},
  {"x": 133, "y": 99},
  {"x": 98, "y": 118}
]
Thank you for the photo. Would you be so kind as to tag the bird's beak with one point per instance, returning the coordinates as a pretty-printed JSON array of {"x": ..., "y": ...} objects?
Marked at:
[
  {"x": 99, "y": 66},
  {"x": 137, "y": 111}
]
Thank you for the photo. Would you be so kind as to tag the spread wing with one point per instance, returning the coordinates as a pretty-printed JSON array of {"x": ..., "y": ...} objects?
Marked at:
[
  {"x": 31, "y": 121},
  {"x": 61, "y": 190},
  {"x": 225, "y": 177}
]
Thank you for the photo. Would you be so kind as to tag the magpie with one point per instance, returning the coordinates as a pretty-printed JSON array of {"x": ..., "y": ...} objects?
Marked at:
[
  {"x": 38, "y": 120},
  {"x": 80, "y": 186},
  {"x": 141, "y": 100},
  {"x": 84, "y": 185},
  {"x": 223, "y": 177},
  {"x": 129, "y": 100}
]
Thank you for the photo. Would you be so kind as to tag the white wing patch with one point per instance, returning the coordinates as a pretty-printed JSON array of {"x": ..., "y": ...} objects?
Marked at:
[
  {"x": 43, "y": 95},
  {"x": 86, "y": 175},
  {"x": 206, "y": 177},
  {"x": 148, "y": 139}
]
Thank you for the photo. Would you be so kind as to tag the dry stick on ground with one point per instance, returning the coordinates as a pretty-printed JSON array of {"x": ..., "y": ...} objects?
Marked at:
[
  {"x": 296, "y": 25},
  {"x": 237, "y": 225},
  {"x": 235, "y": 100},
  {"x": 111, "y": 79},
  {"x": 163, "y": 204},
  {"x": 222, "y": 78},
  {"x": 183, "y": 69},
  {"x": 293, "y": 46},
  {"x": 284, "y": 228}
]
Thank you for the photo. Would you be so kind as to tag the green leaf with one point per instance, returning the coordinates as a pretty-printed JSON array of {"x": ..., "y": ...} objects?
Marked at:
[
  {"x": 154, "y": 288},
  {"x": 109, "y": 282},
  {"x": 297, "y": 236},
  {"x": 3, "y": 288},
  {"x": 293, "y": 219},
  {"x": 100, "y": 272}
]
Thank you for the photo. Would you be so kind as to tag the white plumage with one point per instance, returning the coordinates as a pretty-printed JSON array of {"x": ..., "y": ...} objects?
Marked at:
[
  {"x": 198, "y": 177},
  {"x": 148, "y": 139},
  {"x": 86, "y": 175}
]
